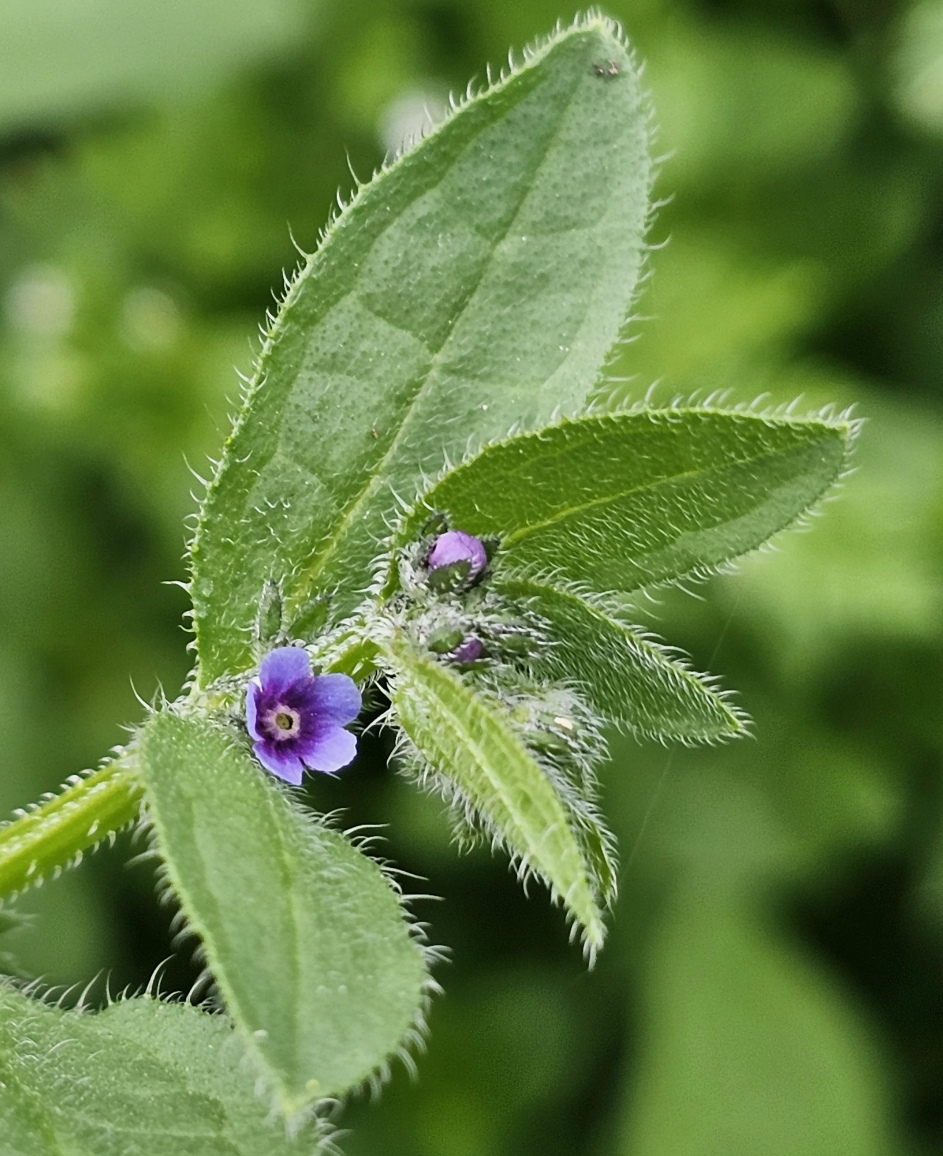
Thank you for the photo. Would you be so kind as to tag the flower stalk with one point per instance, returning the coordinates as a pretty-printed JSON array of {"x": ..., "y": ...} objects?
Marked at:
[{"x": 41, "y": 842}]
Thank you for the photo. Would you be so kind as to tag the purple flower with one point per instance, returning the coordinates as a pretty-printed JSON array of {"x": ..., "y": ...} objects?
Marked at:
[
  {"x": 297, "y": 718},
  {"x": 456, "y": 548}
]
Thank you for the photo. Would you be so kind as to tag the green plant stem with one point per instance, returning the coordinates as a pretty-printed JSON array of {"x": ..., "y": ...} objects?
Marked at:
[{"x": 56, "y": 833}]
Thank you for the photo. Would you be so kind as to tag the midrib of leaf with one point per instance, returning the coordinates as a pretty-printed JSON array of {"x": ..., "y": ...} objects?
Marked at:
[
  {"x": 295, "y": 948},
  {"x": 130, "y": 1129},
  {"x": 233, "y": 1002},
  {"x": 535, "y": 834},
  {"x": 478, "y": 750},
  {"x": 331, "y": 544},
  {"x": 617, "y": 495}
]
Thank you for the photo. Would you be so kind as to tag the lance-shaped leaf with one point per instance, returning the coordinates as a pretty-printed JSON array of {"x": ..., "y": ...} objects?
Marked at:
[
  {"x": 625, "y": 675},
  {"x": 140, "y": 1076},
  {"x": 471, "y": 742},
  {"x": 622, "y": 501},
  {"x": 475, "y": 284},
  {"x": 304, "y": 936}
]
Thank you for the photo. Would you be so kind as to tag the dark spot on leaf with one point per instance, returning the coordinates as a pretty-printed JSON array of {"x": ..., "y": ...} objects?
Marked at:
[{"x": 607, "y": 69}]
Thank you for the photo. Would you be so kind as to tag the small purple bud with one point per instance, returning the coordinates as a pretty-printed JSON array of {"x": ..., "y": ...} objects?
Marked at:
[
  {"x": 455, "y": 546},
  {"x": 469, "y": 650}
]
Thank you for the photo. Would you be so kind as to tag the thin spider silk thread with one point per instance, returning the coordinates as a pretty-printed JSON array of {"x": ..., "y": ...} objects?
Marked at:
[{"x": 663, "y": 777}]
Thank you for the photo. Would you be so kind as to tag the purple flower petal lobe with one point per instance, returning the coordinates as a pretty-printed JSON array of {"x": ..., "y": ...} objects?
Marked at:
[
  {"x": 284, "y": 765},
  {"x": 335, "y": 748},
  {"x": 336, "y": 696},
  {"x": 253, "y": 690},
  {"x": 284, "y": 666}
]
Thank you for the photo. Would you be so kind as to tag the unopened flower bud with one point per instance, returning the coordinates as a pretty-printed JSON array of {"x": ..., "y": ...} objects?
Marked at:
[
  {"x": 455, "y": 557},
  {"x": 470, "y": 650}
]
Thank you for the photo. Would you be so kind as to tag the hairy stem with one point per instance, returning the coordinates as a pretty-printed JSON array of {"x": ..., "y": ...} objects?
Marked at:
[{"x": 41, "y": 841}]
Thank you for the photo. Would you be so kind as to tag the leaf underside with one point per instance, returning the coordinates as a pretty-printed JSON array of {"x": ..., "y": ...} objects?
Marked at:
[
  {"x": 476, "y": 284},
  {"x": 140, "y": 1076},
  {"x": 470, "y": 742},
  {"x": 614, "y": 503},
  {"x": 305, "y": 938}
]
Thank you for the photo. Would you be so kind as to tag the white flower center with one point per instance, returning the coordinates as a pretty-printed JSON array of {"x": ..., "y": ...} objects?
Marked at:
[{"x": 285, "y": 721}]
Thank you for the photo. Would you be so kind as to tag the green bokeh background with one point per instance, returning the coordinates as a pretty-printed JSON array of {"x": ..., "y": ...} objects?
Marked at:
[{"x": 774, "y": 982}]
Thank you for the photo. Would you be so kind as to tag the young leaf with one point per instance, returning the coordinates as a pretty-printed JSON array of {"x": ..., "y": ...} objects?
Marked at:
[
  {"x": 304, "y": 936},
  {"x": 622, "y": 501},
  {"x": 477, "y": 283},
  {"x": 470, "y": 742},
  {"x": 140, "y": 1076},
  {"x": 624, "y": 675}
]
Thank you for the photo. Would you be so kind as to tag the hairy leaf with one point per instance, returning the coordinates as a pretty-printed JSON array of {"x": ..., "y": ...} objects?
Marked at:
[
  {"x": 621, "y": 501},
  {"x": 475, "y": 284},
  {"x": 140, "y": 1076},
  {"x": 305, "y": 937},
  {"x": 471, "y": 743},
  {"x": 625, "y": 675}
]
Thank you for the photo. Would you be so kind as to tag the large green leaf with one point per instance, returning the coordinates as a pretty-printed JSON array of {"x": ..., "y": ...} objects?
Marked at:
[
  {"x": 618, "y": 502},
  {"x": 625, "y": 675},
  {"x": 471, "y": 742},
  {"x": 477, "y": 283},
  {"x": 303, "y": 934},
  {"x": 139, "y": 1077},
  {"x": 57, "y": 60},
  {"x": 748, "y": 1047}
]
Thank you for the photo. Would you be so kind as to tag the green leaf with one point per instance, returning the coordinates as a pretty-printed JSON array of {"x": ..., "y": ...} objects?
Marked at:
[
  {"x": 140, "y": 1076},
  {"x": 478, "y": 283},
  {"x": 58, "y": 60},
  {"x": 624, "y": 674},
  {"x": 619, "y": 502},
  {"x": 748, "y": 1046},
  {"x": 471, "y": 743},
  {"x": 306, "y": 939}
]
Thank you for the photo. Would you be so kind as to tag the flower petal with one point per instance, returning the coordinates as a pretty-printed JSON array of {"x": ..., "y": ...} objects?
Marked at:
[
  {"x": 284, "y": 764},
  {"x": 336, "y": 698},
  {"x": 253, "y": 694},
  {"x": 283, "y": 666},
  {"x": 332, "y": 749}
]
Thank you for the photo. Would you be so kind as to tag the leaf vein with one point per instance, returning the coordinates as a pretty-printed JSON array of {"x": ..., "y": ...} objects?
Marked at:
[{"x": 330, "y": 545}]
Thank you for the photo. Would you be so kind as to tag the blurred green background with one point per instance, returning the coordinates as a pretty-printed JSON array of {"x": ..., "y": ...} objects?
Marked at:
[{"x": 774, "y": 983}]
